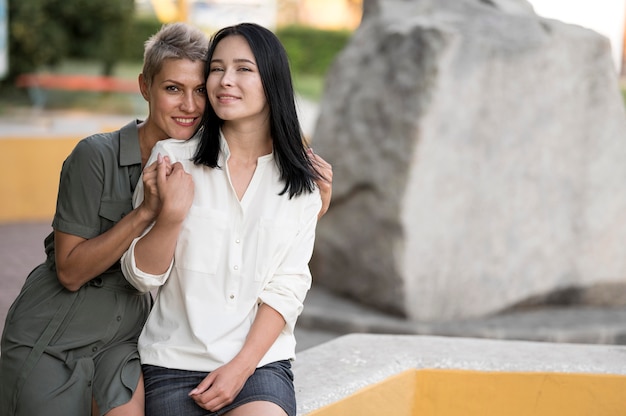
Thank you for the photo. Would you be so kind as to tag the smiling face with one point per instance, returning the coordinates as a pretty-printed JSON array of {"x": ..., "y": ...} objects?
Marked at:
[
  {"x": 176, "y": 99},
  {"x": 234, "y": 84}
]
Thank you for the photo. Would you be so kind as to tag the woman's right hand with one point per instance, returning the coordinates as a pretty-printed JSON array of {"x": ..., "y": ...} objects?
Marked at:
[
  {"x": 151, "y": 201},
  {"x": 175, "y": 189},
  {"x": 154, "y": 251}
]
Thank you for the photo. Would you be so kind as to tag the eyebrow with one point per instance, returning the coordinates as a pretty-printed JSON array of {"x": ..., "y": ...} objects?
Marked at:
[
  {"x": 237, "y": 60},
  {"x": 173, "y": 81}
]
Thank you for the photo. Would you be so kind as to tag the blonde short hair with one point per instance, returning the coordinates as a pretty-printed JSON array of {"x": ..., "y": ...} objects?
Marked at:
[{"x": 173, "y": 41}]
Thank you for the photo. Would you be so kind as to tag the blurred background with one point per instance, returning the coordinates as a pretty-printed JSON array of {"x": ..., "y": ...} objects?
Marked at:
[
  {"x": 68, "y": 68},
  {"x": 106, "y": 38}
]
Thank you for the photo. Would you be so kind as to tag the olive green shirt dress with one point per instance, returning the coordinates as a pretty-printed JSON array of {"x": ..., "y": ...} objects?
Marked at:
[{"x": 61, "y": 348}]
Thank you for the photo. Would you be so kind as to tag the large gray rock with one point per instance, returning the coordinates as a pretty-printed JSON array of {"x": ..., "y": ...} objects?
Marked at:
[{"x": 479, "y": 156}]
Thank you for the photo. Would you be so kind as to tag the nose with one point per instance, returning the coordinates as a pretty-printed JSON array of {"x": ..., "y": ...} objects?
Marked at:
[
  {"x": 227, "y": 79},
  {"x": 189, "y": 103}
]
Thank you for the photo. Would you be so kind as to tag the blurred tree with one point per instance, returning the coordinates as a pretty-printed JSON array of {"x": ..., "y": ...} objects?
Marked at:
[{"x": 44, "y": 32}]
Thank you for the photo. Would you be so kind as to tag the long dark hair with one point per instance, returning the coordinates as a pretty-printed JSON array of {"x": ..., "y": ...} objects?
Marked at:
[{"x": 294, "y": 165}]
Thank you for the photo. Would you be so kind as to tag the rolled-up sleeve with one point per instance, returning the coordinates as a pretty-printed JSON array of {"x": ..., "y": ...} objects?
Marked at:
[{"x": 286, "y": 290}]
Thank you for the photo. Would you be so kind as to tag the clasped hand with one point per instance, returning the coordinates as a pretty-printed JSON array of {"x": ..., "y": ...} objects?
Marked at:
[{"x": 168, "y": 189}]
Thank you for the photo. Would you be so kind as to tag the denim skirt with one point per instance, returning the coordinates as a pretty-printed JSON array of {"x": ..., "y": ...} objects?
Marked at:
[{"x": 167, "y": 390}]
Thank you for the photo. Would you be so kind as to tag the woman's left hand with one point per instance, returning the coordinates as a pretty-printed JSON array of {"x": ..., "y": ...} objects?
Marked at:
[
  {"x": 220, "y": 387},
  {"x": 325, "y": 184}
]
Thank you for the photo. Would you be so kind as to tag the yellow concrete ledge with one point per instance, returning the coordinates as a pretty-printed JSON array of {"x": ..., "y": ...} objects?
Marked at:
[
  {"x": 30, "y": 176},
  {"x": 408, "y": 375},
  {"x": 474, "y": 393}
]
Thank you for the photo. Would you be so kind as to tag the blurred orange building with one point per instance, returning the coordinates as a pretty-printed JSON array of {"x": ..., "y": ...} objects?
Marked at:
[{"x": 323, "y": 14}]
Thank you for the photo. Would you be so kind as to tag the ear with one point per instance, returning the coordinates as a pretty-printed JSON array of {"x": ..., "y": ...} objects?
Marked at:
[{"x": 144, "y": 88}]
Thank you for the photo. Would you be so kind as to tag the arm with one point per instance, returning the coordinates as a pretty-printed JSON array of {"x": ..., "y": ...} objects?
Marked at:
[
  {"x": 80, "y": 259},
  {"x": 280, "y": 305},
  {"x": 222, "y": 385},
  {"x": 153, "y": 253}
]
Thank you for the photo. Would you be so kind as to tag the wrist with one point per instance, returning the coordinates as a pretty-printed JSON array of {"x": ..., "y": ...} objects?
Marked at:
[
  {"x": 170, "y": 218},
  {"x": 145, "y": 214}
]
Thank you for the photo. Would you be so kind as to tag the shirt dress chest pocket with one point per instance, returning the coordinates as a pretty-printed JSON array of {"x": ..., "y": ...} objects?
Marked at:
[
  {"x": 275, "y": 239},
  {"x": 112, "y": 211},
  {"x": 201, "y": 241}
]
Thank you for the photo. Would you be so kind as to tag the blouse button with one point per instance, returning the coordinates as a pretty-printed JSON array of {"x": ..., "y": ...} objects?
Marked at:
[
  {"x": 236, "y": 267},
  {"x": 232, "y": 296},
  {"x": 237, "y": 241}
]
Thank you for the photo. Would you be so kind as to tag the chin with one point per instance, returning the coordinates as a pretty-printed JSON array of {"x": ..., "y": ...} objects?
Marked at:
[{"x": 183, "y": 135}]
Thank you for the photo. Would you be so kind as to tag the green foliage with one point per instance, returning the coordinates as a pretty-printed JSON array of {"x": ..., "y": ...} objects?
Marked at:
[
  {"x": 309, "y": 86},
  {"x": 44, "y": 32},
  {"x": 33, "y": 42},
  {"x": 311, "y": 51},
  {"x": 142, "y": 29}
]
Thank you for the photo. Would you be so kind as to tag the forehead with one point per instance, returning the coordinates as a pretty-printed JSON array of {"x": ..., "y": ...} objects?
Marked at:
[
  {"x": 181, "y": 70},
  {"x": 233, "y": 47}
]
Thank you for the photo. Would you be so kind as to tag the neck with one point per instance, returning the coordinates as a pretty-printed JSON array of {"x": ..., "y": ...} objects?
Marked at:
[{"x": 247, "y": 144}]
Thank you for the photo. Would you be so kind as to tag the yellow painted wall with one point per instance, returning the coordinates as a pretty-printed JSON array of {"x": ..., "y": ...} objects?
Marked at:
[
  {"x": 29, "y": 176},
  {"x": 475, "y": 393}
]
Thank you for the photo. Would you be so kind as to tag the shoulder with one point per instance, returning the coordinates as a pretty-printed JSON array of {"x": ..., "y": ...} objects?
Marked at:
[
  {"x": 94, "y": 151},
  {"x": 176, "y": 148},
  {"x": 101, "y": 143}
]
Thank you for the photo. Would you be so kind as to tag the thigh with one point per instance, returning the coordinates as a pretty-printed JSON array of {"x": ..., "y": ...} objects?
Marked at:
[
  {"x": 270, "y": 384},
  {"x": 167, "y": 391},
  {"x": 257, "y": 408},
  {"x": 52, "y": 388},
  {"x": 117, "y": 373}
]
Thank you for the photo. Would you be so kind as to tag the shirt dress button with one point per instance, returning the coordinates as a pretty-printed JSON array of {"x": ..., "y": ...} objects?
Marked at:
[
  {"x": 94, "y": 349},
  {"x": 232, "y": 296},
  {"x": 119, "y": 318},
  {"x": 236, "y": 267}
]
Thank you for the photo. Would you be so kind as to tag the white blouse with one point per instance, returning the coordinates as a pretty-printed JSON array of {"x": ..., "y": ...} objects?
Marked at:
[{"x": 231, "y": 256}]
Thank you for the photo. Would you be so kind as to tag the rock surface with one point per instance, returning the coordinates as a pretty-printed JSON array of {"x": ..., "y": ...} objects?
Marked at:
[{"x": 479, "y": 159}]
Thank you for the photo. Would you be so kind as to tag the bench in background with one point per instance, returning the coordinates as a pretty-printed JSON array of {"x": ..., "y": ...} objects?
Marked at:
[{"x": 37, "y": 84}]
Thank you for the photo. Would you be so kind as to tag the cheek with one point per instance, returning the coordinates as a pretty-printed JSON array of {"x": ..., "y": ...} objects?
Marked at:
[
  {"x": 211, "y": 82},
  {"x": 201, "y": 105},
  {"x": 164, "y": 105},
  {"x": 212, "y": 101}
]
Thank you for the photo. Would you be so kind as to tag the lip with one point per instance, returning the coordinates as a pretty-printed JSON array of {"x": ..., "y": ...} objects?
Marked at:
[
  {"x": 185, "y": 121},
  {"x": 226, "y": 98}
]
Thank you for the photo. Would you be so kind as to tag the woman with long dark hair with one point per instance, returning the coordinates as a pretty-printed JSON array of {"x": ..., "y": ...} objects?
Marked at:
[{"x": 230, "y": 247}]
